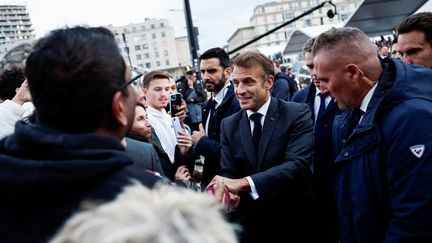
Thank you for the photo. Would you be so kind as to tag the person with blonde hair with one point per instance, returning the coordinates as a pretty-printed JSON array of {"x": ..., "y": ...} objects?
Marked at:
[{"x": 162, "y": 215}]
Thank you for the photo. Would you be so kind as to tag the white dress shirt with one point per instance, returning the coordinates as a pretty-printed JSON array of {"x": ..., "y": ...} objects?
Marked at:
[{"x": 162, "y": 124}]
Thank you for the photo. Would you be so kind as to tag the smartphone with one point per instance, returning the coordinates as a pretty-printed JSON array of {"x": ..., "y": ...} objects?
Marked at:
[
  {"x": 175, "y": 102},
  {"x": 176, "y": 125}
]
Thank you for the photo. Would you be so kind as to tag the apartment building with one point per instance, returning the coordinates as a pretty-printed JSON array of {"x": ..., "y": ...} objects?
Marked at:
[
  {"x": 15, "y": 27},
  {"x": 151, "y": 45},
  {"x": 272, "y": 14}
]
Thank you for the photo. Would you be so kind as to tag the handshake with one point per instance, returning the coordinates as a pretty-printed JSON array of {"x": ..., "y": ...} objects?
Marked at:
[{"x": 230, "y": 200}]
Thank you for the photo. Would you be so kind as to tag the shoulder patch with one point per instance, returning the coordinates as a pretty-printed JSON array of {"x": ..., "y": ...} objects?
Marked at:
[{"x": 417, "y": 150}]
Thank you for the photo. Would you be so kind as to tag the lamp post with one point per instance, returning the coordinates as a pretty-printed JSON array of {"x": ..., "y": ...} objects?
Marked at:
[{"x": 193, "y": 41}]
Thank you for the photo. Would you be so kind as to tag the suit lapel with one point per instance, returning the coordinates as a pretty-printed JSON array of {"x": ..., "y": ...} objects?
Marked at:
[
  {"x": 206, "y": 110},
  {"x": 246, "y": 139},
  {"x": 330, "y": 107},
  {"x": 270, "y": 121}
]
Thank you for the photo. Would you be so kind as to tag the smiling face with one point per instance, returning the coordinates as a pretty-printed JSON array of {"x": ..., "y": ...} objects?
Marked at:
[
  {"x": 157, "y": 93},
  {"x": 214, "y": 75},
  {"x": 415, "y": 49},
  {"x": 141, "y": 126},
  {"x": 251, "y": 90}
]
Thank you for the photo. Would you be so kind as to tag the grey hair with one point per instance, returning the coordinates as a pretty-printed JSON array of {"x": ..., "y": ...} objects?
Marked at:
[{"x": 165, "y": 214}]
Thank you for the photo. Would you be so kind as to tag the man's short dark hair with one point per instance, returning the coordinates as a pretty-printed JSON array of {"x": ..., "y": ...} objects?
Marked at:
[
  {"x": 154, "y": 75},
  {"x": 420, "y": 22},
  {"x": 73, "y": 74},
  {"x": 218, "y": 53},
  {"x": 251, "y": 59},
  {"x": 10, "y": 80},
  {"x": 308, "y": 45}
]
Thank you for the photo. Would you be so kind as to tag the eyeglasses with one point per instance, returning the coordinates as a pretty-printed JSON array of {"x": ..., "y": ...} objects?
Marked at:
[{"x": 135, "y": 82}]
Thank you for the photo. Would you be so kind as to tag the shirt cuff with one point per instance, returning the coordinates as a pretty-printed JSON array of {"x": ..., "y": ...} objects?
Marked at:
[{"x": 253, "y": 192}]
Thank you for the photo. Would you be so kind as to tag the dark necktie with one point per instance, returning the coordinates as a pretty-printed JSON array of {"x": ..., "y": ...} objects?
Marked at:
[
  {"x": 322, "y": 106},
  {"x": 256, "y": 134},
  {"x": 211, "y": 115},
  {"x": 356, "y": 114},
  {"x": 320, "y": 114}
]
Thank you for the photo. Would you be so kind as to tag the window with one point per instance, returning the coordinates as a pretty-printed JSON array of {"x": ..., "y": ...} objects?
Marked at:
[
  {"x": 167, "y": 62},
  {"x": 148, "y": 65},
  {"x": 166, "y": 53},
  {"x": 152, "y": 26},
  {"x": 344, "y": 17},
  {"x": 137, "y": 47},
  {"x": 307, "y": 22},
  {"x": 138, "y": 57},
  {"x": 154, "y": 35},
  {"x": 146, "y": 55},
  {"x": 162, "y": 25},
  {"x": 163, "y": 34},
  {"x": 156, "y": 54},
  {"x": 157, "y": 64},
  {"x": 145, "y": 46}
]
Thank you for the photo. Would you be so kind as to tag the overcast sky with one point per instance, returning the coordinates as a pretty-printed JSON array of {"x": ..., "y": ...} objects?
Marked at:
[{"x": 216, "y": 19}]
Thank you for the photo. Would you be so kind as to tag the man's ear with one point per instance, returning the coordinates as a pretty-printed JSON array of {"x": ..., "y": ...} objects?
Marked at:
[
  {"x": 228, "y": 71},
  {"x": 269, "y": 82},
  {"x": 118, "y": 107},
  {"x": 352, "y": 71}
]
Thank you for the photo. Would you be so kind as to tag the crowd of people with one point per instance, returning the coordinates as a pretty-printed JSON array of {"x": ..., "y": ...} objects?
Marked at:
[{"x": 92, "y": 151}]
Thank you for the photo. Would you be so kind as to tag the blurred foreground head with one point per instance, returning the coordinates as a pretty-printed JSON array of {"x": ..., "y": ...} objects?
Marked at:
[{"x": 140, "y": 215}]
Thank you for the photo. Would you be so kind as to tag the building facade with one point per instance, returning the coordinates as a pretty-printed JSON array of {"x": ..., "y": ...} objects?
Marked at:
[
  {"x": 15, "y": 27},
  {"x": 150, "y": 45},
  {"x": 272, "y": 14}
]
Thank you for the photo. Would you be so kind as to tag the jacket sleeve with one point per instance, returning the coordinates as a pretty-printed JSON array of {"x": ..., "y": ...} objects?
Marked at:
[
  {"x": 156, "y": 163},
  {"x": 408, "y": 158},
  {"x": 280, "y": 90},
  {"x": 208, "y": 147},
  {"x": 10, "y": 113}
]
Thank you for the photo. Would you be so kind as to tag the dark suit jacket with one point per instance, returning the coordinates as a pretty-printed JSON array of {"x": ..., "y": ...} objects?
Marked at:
[
  {"x": 209, "y": 146},
  {"x": 144, "y": 155},
  {"x": 280, "y": 88},
  {"x": 281, "y": 173},
  {"x": 322, "y": 161}
]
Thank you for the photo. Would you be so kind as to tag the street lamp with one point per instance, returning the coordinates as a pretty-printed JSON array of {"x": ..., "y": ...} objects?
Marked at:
[{"x": 192, "y": 36}]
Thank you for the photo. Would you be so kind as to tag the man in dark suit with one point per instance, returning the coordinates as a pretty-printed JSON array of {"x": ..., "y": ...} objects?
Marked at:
[
  {"x": 267, "y": 168},
  {"x": 215, "y": 70},
  {"x": 324, "y": 110}
]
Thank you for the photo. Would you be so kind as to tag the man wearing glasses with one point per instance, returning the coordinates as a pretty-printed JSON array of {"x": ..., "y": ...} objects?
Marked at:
[
  {"x": 73, "y": 153},
  {"x": 382, "y": 142}
]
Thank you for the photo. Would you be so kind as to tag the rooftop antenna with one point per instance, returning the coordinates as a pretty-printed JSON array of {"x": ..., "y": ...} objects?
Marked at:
[{"x": 127, "y": 50}]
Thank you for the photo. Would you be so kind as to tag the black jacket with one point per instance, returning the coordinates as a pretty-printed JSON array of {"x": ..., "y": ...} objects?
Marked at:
[{"x": 46, "y": 174}]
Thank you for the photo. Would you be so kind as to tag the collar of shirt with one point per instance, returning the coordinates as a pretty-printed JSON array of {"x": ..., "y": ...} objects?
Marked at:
[
  {"x": 367, "y": 98},
  {"x": 221, "y": 95},
  {"x": 262, "y": 110}
]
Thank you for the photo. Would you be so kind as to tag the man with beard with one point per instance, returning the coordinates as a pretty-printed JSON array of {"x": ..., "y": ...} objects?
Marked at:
[{"x": 215, "y": 70}]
